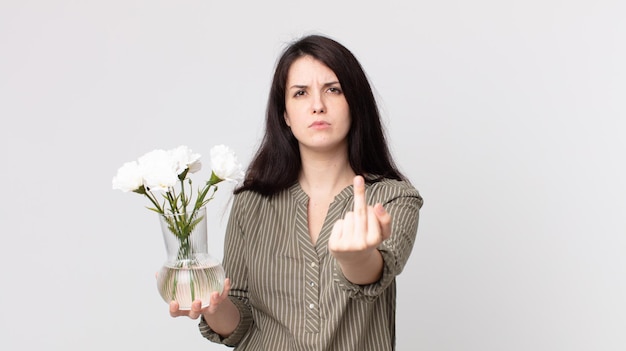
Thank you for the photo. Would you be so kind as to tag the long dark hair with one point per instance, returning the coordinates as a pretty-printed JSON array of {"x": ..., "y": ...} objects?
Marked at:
[{"x": 276, "y": 164}]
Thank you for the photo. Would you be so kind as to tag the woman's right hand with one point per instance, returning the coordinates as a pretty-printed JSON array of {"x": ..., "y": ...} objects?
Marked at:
[{"x": 196, "y": 307}]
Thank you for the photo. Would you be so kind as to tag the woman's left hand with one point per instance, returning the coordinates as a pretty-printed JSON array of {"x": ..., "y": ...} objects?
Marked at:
[{"x": 354, "y": 239}]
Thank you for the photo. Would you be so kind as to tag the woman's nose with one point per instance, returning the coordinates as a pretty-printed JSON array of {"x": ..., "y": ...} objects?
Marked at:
[{"x": 318, "y": 104}]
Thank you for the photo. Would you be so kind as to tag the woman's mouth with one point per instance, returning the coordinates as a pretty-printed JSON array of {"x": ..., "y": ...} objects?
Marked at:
[{"x": 319, "y": 125}]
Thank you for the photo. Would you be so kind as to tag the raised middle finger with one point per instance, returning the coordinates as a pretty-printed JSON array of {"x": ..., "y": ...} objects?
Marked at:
[{"x": 360, "y": 205}]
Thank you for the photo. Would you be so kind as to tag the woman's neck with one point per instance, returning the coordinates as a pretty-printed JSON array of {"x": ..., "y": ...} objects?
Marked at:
[{"x": 325, "y": 175}]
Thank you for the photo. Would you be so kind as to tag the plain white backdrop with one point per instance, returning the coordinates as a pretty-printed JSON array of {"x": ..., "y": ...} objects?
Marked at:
[{"x": 508, "y": 116}]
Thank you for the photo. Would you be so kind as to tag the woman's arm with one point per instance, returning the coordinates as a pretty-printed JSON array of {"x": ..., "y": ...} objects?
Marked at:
[
  {"x": 354, "y": 239},
  {"x": 369, "y": 249},
  {"x": 228, "y": 317}
]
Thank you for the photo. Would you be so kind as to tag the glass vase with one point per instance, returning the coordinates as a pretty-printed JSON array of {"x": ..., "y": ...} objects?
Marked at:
[{"x": 190, "y": 273}]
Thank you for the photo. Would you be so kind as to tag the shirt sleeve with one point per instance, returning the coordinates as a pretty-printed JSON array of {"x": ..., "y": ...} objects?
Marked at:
[
  {"x": 235, "y": 267},
  {"x": 404, "y": 207}
]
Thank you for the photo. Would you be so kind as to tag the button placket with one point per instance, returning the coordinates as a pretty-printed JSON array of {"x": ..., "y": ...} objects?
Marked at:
[
  {"x": 311, "y": 271},
  {"x": 312, "y": 297}
]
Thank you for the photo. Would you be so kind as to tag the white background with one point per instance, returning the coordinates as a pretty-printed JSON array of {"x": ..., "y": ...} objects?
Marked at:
[{"x": 508, "y": 116}]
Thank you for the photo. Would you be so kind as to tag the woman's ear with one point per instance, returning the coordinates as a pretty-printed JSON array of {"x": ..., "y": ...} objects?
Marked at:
[{"x": 286, "y": 117}]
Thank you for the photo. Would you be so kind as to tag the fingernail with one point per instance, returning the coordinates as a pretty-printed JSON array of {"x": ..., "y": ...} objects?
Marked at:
[{"x": 358, "y": 180}]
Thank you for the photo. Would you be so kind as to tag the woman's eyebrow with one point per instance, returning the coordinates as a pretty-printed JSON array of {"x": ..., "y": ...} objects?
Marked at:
[{"x": 301, "y": 86}]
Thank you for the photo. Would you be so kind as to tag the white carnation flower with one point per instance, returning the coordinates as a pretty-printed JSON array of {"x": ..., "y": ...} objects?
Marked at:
[
  {"x": 185, "y": 158},
  {"x": 159, "y": 170},
  {"x": 225, "y": 165},
  {"x": 128, "y": 178},
  {"x": 162, "y": 171}
]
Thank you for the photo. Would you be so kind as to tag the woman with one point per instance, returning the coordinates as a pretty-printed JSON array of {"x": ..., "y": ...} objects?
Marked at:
[{"x": 323, "y": 222}]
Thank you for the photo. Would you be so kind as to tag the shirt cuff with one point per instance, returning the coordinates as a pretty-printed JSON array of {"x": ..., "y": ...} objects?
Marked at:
[
  {"x": 369, "y": 292},
  {"x": 245, "y": 322}
]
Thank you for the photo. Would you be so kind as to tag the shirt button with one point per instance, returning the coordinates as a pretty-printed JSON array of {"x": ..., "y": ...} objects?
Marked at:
[
  {"x": 312, "y": 283},
  {"x": 311, "y": 306},
  {"x": 313, "y": 264}
]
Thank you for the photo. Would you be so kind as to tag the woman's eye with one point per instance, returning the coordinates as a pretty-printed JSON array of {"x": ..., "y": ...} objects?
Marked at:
[
  {"x": 299, "y": 93},
  {"x": 334, "y": 90}
]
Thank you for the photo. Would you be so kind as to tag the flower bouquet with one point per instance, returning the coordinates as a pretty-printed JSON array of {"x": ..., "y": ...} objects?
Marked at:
[{"x": 189, "y": 273}]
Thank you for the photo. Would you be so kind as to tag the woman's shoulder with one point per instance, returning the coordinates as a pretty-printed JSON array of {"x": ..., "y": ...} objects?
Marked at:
[
  {"x": 389, "y": 183},
  {"x": 250, "y": 198},
  {"x": 387, "y": 187},
  {"x": 247, "y": 197}
]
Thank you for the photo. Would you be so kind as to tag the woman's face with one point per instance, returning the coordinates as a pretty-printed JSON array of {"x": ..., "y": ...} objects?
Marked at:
[{"x": 316, "y": 109}]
